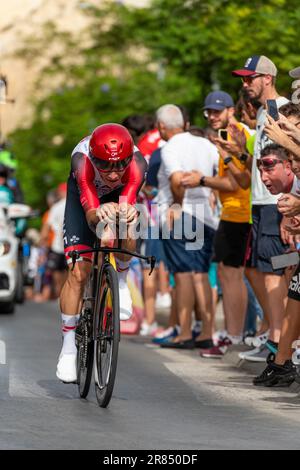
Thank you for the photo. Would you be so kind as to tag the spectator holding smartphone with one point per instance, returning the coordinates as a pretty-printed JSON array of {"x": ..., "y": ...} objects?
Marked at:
[
  {"x": 231, "y": 239},
  {"x": 276, "y": 171},
  {"x": 259, "y": 79}
]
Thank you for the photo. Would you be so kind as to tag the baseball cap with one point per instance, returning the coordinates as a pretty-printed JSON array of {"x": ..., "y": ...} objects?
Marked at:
[
  {"x": 218, "y": 100},
  {"x": 295, "y": 73},
  {"x": 257, "y": 64}
]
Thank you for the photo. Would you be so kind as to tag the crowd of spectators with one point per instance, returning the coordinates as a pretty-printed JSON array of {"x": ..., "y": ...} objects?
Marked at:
[
  {"x": 236, "y": 185},
  {"x": 47, "y": 264},
  {"x": 231, "y": 190}
]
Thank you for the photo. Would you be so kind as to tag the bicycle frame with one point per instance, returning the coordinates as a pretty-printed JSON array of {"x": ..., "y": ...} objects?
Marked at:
[{"x": 101, "y": 330}]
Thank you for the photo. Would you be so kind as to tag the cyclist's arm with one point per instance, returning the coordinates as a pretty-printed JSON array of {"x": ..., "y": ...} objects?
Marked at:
[
  {"x": 134, "y": 178},
  {"x": 84, "y": 174}
]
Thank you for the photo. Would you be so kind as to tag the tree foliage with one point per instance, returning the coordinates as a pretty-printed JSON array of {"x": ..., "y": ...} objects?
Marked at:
[{"x": 136, "y": 59}]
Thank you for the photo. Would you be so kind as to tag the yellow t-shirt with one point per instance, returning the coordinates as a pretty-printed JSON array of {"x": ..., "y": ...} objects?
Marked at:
[{"x": 235, "y": 205}]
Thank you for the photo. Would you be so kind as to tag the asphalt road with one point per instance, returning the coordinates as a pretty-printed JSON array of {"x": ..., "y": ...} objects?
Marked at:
[{"x": 162, "y": 399}]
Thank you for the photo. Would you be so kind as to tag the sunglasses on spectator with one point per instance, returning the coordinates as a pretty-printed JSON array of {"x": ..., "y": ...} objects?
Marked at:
[
  {"x": 267, "y": 163},
  {"x": 251, "y": 78}
]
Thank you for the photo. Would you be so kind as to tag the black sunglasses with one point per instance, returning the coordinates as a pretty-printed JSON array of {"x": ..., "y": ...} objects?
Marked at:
[{"x": 109, "y": 166}]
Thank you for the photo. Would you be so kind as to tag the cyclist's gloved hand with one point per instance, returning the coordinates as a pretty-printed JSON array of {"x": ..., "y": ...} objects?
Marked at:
[
  {"x": 127, "y": 212},
  {"x": 107, "y": 212}
]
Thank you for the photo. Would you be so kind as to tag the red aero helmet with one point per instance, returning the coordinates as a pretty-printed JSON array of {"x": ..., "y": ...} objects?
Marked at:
[{"x": 110, "y": 145}]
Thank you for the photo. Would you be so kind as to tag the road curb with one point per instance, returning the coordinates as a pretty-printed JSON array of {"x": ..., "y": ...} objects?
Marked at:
[{"x": 232, "y": 358}]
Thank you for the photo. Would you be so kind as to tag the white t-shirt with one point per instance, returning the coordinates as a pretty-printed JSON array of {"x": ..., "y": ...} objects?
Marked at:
[
  {"x": 296, "y": 187},
  {"x": 260, "y": 194},
  {"x": 56, "y": 221},
  {"x": 186, "y": 152}
]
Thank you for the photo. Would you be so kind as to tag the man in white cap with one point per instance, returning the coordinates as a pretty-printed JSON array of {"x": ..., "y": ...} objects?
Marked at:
[
  {"x": 295, "y": 73},
  {"x": 259, "y": 77}
]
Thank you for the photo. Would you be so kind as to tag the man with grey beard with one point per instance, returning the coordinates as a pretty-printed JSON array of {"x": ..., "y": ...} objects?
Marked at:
[{"x": 188, "y": 255}]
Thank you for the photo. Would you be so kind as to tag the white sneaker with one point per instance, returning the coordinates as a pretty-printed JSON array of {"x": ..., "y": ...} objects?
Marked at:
[
  {"x": 148, "y": 330},
  {"x": 249, "y": 341},
  {"x": 67, "y": 368},
  {"x": 260, "y": 340},
  {"x": 163, "y": 301},
  {"x": 125, "y": 300},
  {"x": 245, "y": 355},
  {"x": 219, "y": 336}
]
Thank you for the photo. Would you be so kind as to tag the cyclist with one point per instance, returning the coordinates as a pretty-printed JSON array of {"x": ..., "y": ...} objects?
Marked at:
[{"x": 107, "y": 172}]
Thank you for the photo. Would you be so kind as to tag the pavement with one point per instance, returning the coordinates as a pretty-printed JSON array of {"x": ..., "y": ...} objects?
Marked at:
[{"x": 163, "y": 399}]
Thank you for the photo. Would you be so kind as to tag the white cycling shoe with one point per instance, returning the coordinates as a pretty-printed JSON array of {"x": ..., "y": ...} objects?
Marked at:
[
  {"x": 67, "y": 368},
  {"x": 125, "y": 300}
]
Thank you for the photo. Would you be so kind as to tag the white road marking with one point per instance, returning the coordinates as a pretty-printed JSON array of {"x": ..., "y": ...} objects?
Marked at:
[
  {"x": 22, "y": 385},
  {"x": 2, "y": 353}
]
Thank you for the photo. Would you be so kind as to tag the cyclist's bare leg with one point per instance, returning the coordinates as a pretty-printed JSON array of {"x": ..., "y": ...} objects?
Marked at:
[
  {"x": 70, "y": 302},
  {"x": 72, "y": 291}
]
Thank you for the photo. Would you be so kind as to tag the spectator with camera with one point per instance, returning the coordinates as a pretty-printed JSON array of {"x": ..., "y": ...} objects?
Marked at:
[
  {"x": 276, "y": 173},
  {"x": 259, "y": 79},
  {"x": 231, "y": 238}
]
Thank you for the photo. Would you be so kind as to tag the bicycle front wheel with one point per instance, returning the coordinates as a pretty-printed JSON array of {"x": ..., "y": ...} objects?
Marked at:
[{"x": 107, "y": 336}]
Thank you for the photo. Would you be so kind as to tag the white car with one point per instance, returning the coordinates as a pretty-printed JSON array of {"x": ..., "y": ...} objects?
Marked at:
[{"x": 11, "y": 275}]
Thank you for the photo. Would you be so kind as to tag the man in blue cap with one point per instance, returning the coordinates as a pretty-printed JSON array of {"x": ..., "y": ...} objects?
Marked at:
[
  {"x": 219, "y": 110},
  {"x": 231, "y": 240}
]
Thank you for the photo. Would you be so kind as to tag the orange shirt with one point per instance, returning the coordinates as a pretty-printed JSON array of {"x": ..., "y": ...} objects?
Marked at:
[
  {"x": 51, "y": 233},
  {"x": 235, "y": 205}
]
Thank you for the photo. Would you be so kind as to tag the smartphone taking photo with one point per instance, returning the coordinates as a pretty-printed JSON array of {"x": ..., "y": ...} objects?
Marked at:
[
  {"x": 285, "y": 261},
  {"x": 272, "y": 109},
  {"x": 223, "y": 134}
]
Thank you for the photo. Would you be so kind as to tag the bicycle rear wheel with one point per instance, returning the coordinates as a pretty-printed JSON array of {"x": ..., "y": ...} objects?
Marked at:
[
  {"x": 107, "y": 336},
  {"x": 85, "y": 350}
]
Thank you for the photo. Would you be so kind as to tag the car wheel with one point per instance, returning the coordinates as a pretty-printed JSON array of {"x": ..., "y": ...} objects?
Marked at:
[
  {"x": 7, "y": 307},
  {"x": 20, "y": 293}
]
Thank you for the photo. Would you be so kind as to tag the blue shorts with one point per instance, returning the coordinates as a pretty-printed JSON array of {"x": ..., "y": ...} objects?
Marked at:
[
  {"x": 266, "y": 239},
  {"x": 180, "y": 258},
  {"x": 152, "y": 247}
]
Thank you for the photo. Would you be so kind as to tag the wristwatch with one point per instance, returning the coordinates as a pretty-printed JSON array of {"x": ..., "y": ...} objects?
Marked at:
[
  {"x": 202, "y": 181},
  {"x": 244, "y": 157},
  {"x": 227, "y": 160}
]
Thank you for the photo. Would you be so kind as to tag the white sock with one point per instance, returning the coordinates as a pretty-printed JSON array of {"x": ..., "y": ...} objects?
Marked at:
[
  {"x": 122, "y": 269},
  {"x": 69, "y": 324},
  {"x": 235, "y": 339}
]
